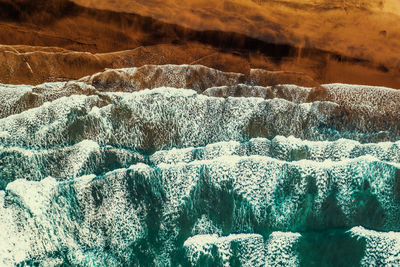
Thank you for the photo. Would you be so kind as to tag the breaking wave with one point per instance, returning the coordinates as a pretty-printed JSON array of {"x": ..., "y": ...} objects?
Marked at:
[{"x": 186, "y": 165}]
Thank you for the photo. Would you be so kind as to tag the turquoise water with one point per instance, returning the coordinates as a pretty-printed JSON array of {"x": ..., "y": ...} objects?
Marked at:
[{"x": 170, "y": 177}]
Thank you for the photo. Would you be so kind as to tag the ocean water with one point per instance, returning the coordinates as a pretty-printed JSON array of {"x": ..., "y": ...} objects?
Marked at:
[{"x": 216, "y": 173}]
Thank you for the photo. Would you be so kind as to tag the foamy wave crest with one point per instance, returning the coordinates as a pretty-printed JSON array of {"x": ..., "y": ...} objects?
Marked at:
[{"x": 189, "y": 166}]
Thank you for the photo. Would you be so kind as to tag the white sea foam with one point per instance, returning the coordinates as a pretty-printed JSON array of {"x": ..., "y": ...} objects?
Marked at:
[
  {"x": 211, "y": 179},
  {"x": 382, "y": 248}
]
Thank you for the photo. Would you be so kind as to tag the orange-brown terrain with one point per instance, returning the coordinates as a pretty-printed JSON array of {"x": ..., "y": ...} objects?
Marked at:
[{"x": 329, "y": 41}]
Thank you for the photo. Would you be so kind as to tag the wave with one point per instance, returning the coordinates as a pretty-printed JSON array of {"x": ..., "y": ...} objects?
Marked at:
[
  {"x": 122, "y": 168},
  {"x": 183, "y": 118},
  {"x": 116, "y": 212}
]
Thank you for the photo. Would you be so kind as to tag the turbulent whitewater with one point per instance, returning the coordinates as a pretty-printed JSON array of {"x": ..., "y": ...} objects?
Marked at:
[{"x": 180, "y": 165}]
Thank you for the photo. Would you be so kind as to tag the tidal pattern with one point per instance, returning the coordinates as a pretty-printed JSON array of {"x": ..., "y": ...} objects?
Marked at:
[{"x": 185, "y": 165}]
